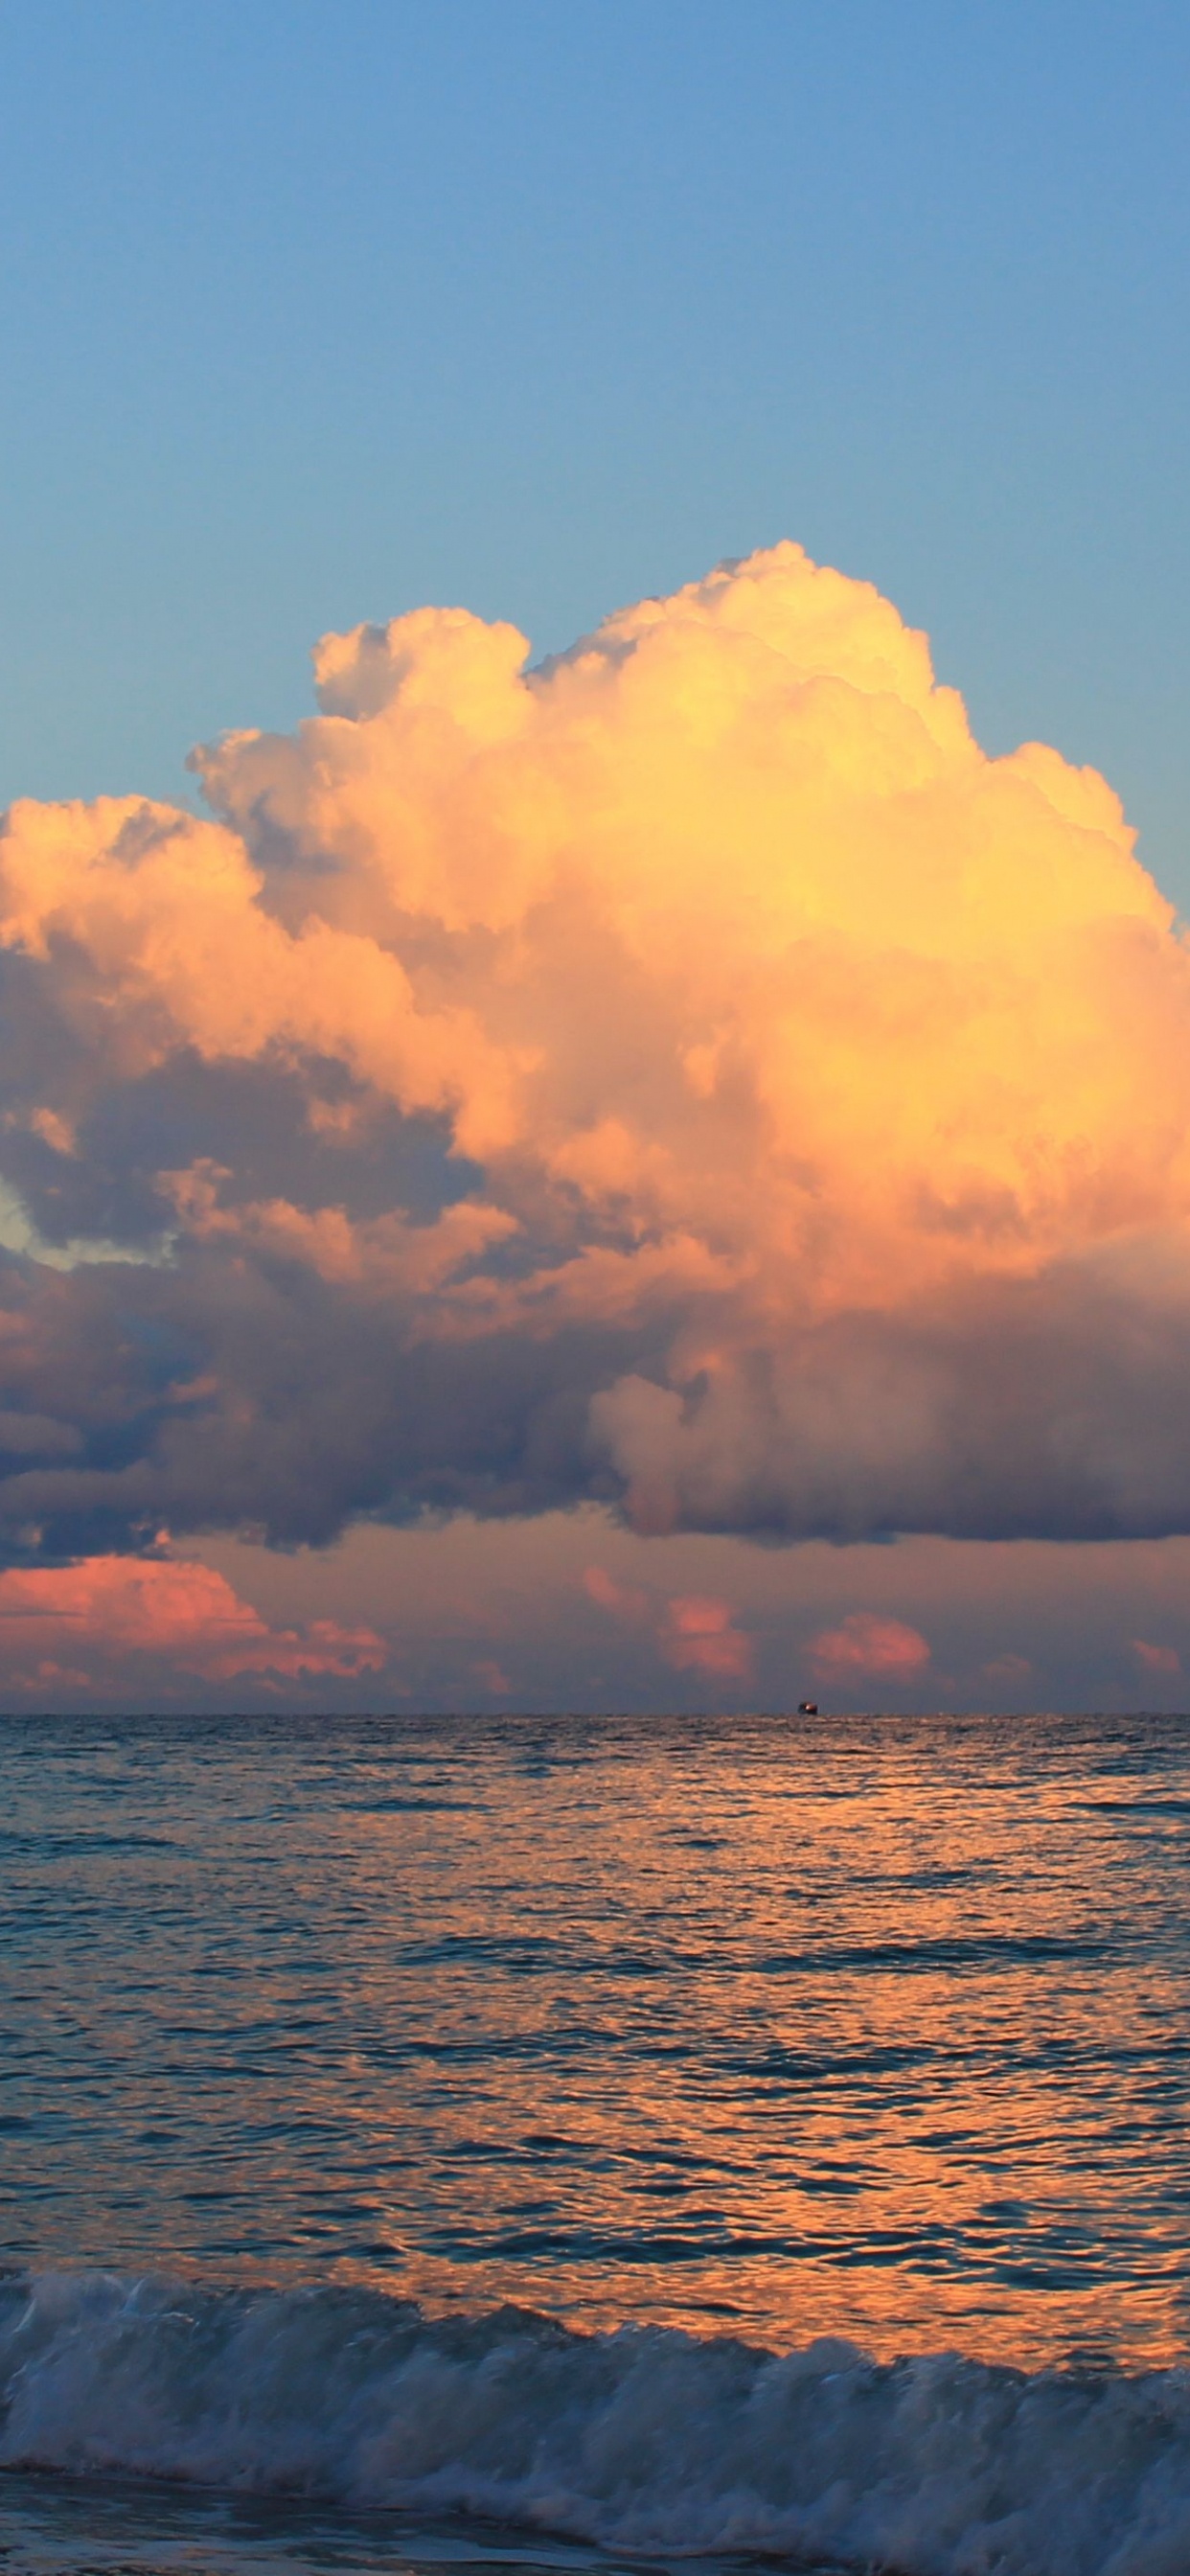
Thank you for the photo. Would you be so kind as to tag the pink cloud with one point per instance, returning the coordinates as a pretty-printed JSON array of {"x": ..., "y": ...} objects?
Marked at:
[
  {"x": 1156, "y": 1659},
  {"x": 697, "y": 1636},
  {"x": 862, "y": 1643},
  {"x": 492, "y": 1675},
  {"x": 168, "y": 1608},
  {"x": 621, "y": 1600},
  {"x": 693, "y": 1630}
]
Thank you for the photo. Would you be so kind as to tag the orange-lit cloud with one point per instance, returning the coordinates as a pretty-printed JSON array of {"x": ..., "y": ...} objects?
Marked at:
[
  {"x": 55, "y": 1622},
  {"x": 689, "y": 1073},
  {"x": 863, "y": 1643}
]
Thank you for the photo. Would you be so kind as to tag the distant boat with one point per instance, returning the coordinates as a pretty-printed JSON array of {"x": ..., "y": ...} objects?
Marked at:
[{"x": 807, "y": 1708}]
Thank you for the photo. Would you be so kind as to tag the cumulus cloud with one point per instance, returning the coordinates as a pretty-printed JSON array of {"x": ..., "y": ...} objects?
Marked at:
[
  {"x": 864, "y": 1643},
  {"x": 691, "y": 1631},
  {"x": 65, "y": 1626},
  {"x": 688, "y": 1073},
  {"x": 1157, "y": 1659},
  {"x": 699, "y": 1636}
]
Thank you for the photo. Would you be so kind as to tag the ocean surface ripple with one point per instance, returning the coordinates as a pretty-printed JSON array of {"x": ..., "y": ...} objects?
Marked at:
[{"x": 685, "y": 2136}]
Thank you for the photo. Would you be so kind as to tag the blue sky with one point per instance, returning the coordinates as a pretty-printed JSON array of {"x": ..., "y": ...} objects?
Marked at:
[{"x": 313, "y": 315}]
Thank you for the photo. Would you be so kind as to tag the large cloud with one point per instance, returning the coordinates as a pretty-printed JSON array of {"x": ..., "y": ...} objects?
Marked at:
[{"x": 688, "y": 1072}]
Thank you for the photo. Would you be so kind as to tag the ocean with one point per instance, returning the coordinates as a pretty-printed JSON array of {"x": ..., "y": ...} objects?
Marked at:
[{"x": 561, "y": 2142}]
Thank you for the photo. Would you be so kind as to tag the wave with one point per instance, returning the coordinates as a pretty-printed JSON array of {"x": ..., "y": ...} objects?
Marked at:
[{"x": 647, "y": 2440}]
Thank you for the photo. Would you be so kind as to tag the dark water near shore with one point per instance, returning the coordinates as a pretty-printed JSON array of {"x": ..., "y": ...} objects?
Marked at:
[{"x": 744, "y": 2029}]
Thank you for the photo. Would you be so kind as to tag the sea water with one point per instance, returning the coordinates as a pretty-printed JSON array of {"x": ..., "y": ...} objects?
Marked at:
[{"x": 528, "y": 2139}]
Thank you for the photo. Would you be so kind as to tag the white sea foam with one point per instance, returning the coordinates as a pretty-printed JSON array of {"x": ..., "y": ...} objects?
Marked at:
[{"x": 644, "y": 2440}]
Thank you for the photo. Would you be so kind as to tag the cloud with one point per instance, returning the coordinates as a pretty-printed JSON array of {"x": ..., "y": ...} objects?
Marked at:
[
  {"x": 624, "y": 1601},
  {"x": 698, "y": 1636},
  {"x": 863, "y": 1643},
  {"x": 491, "y": 1676},
  {"x": 688, "y": 1075},
  {"x": 692, "y": 1632},
  {"x": 162, "y": 1611},
  {"x": 1156, "y": 1659}
]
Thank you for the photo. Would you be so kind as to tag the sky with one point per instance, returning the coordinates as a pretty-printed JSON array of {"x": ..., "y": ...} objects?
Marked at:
[{"x": 619, "y": 1140}]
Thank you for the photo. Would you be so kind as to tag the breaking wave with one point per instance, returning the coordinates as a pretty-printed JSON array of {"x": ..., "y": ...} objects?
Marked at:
[{"x": 645, "y": 2440}]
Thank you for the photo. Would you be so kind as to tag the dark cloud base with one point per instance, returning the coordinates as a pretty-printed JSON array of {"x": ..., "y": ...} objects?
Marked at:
[{"x": 220, "y": 1391}]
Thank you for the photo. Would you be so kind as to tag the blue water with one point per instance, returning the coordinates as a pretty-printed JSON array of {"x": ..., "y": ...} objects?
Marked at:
[{"x": 861, "y": 2045}]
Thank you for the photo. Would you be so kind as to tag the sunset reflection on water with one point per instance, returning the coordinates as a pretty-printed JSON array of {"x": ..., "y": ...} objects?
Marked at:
[{"x": 780, "y": 2029}]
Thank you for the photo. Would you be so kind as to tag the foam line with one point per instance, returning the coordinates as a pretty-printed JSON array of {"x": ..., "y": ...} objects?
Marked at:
[{"x": 646, "y": 2439}]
